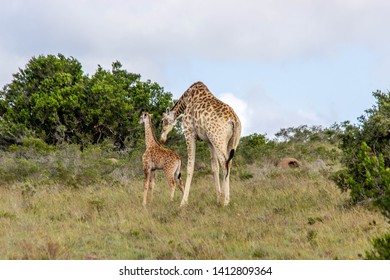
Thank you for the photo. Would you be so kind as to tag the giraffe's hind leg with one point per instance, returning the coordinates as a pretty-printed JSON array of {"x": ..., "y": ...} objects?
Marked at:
[
  {"x": 215, "y": 169},
  {"x": 222, "y": 157},
  {"x": 178, "y": 179},
  {"x": 172, "y": 186}
]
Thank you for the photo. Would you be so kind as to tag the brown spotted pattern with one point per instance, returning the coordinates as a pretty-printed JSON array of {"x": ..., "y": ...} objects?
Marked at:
[
  {"x": 209, "y": 119},
  {"x": 157, "y": 157}
]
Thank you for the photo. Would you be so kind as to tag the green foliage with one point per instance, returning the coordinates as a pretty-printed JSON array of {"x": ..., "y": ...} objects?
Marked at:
[
  {"x": 369, "y": 178},
  {"x": 309, "y": 143},
  {"x": 373, "y": 128},
  {"x": 384, "y": 203},
  {"x": 54, "y": 99},
  {"x": 115, "y": 101},
  {"x": 31, "y": 147},
  {"x": 304, "y": 134},
  {"x": 341, "y": 178},
  {"x": 12, "y": 133},
  {"x": 253, "y": 147},
  {"x": 36, "y": 163},
  {"x": 47, "y": 94},
  {"x": 381, "y": 249},
  {"x": 376, "y": 126},
  {"x": 305, "y": 143},
  {"x": 366, "y": 153}
]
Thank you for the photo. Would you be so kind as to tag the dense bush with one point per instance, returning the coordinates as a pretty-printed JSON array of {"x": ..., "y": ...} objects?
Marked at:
[
  {"x": 366, "y": 156},
  {"x": 369, "y": 179},
  {"x": 373, "y": 128},
  {"x": 381, "y": 249},
  {"x": 53, "y": 99},
  {"x": 306, "y": 134},
  {"x": 366, "y": 153},
  {"x": 253, "y": 147},
  {"x": 38, "y": 163}
]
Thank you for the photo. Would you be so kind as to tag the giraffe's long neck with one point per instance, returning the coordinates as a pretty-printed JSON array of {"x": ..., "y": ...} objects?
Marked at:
[
  {"x": 188, "y": 96},
  {"x": 150, "y": 137},
  {"x": 180, "y": 106}
]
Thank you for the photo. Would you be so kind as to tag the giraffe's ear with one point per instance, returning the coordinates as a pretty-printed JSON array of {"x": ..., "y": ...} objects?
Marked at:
[{"x": 168, "y": 111}]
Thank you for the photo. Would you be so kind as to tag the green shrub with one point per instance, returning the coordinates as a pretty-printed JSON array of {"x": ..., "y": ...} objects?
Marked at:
[
  {"x": 366, "y": 155},
  {"x": 381, "y": 249},
  {"x": 54, "y": 99},
  {"x": 369, "y": 178},
  {"x": 32, "y": 147}
]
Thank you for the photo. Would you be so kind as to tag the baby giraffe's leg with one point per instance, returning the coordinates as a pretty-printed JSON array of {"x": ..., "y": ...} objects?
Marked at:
[
  {"x": 146, "y": 185},
  {"x": 151, "y": 185}
]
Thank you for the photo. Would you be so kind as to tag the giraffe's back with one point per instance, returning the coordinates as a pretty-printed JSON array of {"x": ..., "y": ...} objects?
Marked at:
[
  {"x": 212, "y": 119},
  {"x": 162, "y": 157}
]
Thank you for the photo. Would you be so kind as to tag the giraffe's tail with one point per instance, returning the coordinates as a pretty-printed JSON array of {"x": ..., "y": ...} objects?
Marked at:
[
  {"x": 231, "y": 155},
  {"x": 178, "y": 176},
  {"x": 233, "y": 143}
]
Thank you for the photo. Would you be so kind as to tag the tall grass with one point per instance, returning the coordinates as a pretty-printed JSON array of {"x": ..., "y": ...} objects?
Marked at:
[{"x": 63, "y": 203}]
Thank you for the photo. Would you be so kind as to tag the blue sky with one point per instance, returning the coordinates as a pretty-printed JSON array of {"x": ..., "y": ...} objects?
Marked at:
[{"x": 277, "y": 63}]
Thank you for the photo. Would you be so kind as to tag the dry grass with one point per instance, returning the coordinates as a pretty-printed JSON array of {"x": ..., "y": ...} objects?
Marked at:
[{"x": 275, "y": 214}]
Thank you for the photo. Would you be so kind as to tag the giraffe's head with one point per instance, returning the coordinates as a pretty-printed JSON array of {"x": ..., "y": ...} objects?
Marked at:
[
  {"x": 168, "y": 122},
  {"x": 144, "y": 117}
]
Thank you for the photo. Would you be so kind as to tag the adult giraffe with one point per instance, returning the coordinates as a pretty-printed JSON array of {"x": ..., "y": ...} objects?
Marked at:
[{"x": 206, "y": 118}]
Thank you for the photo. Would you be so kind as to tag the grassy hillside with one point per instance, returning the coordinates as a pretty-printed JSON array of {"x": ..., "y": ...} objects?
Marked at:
[{"x": 66, "y": 204}]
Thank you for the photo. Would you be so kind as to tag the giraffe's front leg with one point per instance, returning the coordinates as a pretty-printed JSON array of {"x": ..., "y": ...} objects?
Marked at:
[
  {"x": 191, "y": 148},
  {"x": 151, "y": 184},
  {"x": 146, "y": 185}
]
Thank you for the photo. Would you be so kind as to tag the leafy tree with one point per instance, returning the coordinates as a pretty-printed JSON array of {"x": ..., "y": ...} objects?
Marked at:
[
  {"x": 115, "y": 101},
  {"x": 46, "y": 96},
  {"x": 304, "y": 134},
  {"x": 366, "y": 152},
  {"x": 54, "y": 99},
  {"x": 369, "y": 178},
  {"x": 373, "y": 128},
  {"x": 366, "y": 155},
  {"x": 253, "y": 147}
]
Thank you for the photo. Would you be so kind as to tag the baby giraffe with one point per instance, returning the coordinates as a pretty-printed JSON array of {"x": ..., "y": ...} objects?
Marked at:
[{"x": 158, "y": 157}]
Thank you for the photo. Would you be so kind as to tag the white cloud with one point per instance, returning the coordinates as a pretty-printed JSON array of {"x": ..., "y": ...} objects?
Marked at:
[
  {"x": 262, "y": 114},
  {"x": 219, "y": 29},
  {"x": 153, "y": 37},
  {"x": 241, "y": 108},
  {"x": 149, "y": 36}
]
